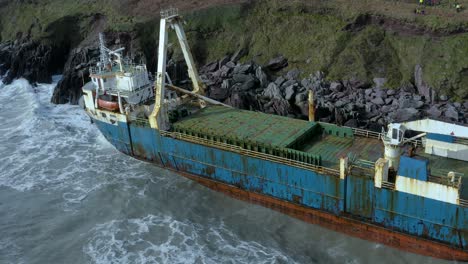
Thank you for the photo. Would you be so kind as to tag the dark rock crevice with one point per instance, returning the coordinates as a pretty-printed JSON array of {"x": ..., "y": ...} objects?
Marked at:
[
  {"x": 147, "y": 34},
  {"x": 76, "y": 73},
  {"x": 28, "y": 59},
  {"x": 62, "y": 35}
]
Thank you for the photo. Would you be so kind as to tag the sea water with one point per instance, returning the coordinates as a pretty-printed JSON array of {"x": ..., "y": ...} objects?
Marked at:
[{"x": 67, "y": 196}]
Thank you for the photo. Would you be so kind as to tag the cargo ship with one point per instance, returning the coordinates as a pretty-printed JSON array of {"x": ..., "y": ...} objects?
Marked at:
[{"x": 403, "y": 187}]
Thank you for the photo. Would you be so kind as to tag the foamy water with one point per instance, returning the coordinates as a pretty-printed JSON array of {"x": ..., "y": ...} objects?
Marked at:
[{"x": 67, "y": 196}]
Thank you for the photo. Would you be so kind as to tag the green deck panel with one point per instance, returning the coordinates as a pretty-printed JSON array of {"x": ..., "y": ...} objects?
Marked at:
[
  {"x": 332, "y": 148},
  {"x": 245, "y": 125},
  {"x": 277, "y": 131}
]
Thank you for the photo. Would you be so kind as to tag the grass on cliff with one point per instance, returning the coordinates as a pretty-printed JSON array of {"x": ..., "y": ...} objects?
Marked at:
[
  {"x": 35, "y": 16},
  {"x": 316, "y": 39},
  {"x": 313, "y": 35},
  {"x": 438, "y": 17}
]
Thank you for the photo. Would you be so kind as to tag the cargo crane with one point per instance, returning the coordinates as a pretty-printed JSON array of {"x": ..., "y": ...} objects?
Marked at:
[{"x": 170, "y": 19}]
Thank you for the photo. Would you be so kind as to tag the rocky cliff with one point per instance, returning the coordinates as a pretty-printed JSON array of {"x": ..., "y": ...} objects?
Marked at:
[{"x": 379, "y": 45}]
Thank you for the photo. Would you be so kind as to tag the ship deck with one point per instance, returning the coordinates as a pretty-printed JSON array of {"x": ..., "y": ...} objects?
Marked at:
[
  {"x": 282, "y": 132},
  {"x": 300, "y": 135},
  {"x": 332, "y": 148},
  {"x": 255, "y": 127},
  {"x": 440, "y": 166}
]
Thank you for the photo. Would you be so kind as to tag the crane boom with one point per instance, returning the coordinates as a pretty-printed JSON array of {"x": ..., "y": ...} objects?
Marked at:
[{"x": 171, "y": 19}]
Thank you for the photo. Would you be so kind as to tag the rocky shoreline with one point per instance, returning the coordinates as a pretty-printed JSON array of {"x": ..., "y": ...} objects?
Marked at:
[
  {"x": 28, "y": 59},
  {"x": 268, "y": 88},
  {"x": 37, "y": 62},
  {"x": 351, "y": 103}
]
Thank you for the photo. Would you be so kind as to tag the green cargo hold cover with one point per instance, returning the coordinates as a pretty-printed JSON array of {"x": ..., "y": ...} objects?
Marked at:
[{"x": 221, "y": 121}]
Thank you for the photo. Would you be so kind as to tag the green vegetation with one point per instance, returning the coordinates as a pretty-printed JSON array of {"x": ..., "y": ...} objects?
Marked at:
[
  {"x": 343, "y": 38},
  {"x": 35, "y": 16},
  {"x": 216, "y": 31},
  {"x": 317, "y": 39},
  {"x": 368, "y": 54}
]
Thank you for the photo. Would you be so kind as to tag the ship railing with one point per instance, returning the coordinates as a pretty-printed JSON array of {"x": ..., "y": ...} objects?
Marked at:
[
  {"x": 366, "y": 133},
  {"x": 367, "y": 164},
  {"x": 125, "y": 93},
  {"x": 388, "y": 185},
  {"x": 445, "y": 173},
  {"x": 255, "y": 154},
  {"x": 463, "y": 203},
  {"x": 115, "y": 91},
  {"x": 170, "y": 12},
  {"x": 362, "y": 168},
  {"x": 139, "y": 121},
  {"x": 371, "y": 134},
  {"x": 362, "y": 171},
  {"x": 461, "y": 141},
  {"x": 94, "y": 70},
  {"x": 440, "y": 177},
  {"x": 131, "y": 67},
  {"x": 127, "y": 64}
]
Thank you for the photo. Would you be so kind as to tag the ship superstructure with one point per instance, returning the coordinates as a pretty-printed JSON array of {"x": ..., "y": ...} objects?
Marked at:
[{"x": 403, "y": 190}]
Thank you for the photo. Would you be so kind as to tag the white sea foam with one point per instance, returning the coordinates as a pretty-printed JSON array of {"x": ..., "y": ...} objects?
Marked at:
[
  {"x": 55, "y": 149},
  {"x": 162, "y": 239},
  {"x": 50, "y": 147}
]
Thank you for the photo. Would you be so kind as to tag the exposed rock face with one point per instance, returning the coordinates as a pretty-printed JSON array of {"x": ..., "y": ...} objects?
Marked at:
[
  {"x": 37, "y": 59},
  {"x": 351, "y": 103},
  {"x": 76, "y": 73},
  {"x": 28, "y": 59},
  {"x": 76, "y": 70},
  {"x": 5, "y": 54},
  {"x": 405, "y": 114},
  {"x": 272, "y": 91},
  {"x": 277, "y": 63},
  {"x": 250, "y": 86},
  {"x": 423, "y": 88}
]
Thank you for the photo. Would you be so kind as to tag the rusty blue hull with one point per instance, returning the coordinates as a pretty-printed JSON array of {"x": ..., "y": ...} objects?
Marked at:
[{"x": 354, "y": 197}]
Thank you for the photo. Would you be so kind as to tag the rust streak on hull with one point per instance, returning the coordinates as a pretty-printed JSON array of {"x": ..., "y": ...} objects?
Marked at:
[{"x": 342, "y": 224}]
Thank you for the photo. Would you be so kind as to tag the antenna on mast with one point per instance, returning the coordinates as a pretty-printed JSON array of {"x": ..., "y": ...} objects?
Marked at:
[{"x": 102, "y": 47}]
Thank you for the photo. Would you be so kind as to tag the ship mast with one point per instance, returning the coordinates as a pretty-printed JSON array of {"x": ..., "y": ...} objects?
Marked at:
[
  {"x": 104, "y": 59},
  {"x": 170, "y": 18}
]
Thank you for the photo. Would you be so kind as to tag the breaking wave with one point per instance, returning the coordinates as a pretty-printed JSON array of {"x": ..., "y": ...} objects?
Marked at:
[
  {"x": 162, "y": 239},
  {"x": 50, "y": 147},
  {"x": 55, "y": 150}
]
